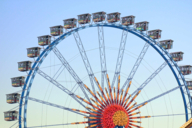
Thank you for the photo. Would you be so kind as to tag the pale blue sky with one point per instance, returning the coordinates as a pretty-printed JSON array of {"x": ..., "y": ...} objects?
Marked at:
[{"x": 22, "y": 21}]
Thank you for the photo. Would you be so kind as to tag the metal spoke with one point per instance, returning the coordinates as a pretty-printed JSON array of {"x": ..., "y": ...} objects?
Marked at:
[
  {"x": 135, "y": 67},
  {"x": 159, "y": 96},
  {"x": 54, "y": 105},
  {"x": 13, "y": 124},
  {"x": 120, "y": 57},
  {"x": 102, "y": 55},
  {"x": 150, "y": 78},
  {"x": 170, "y": 115},
  {"x": 71, "y": 71},
  {"x": 49, "y": 125},
  {"x": 54, "y": 82},
  {"x": 85, "y": 59}
]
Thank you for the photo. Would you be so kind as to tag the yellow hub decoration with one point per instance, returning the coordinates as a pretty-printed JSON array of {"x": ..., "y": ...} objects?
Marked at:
[{"x": 120, "y": 118}]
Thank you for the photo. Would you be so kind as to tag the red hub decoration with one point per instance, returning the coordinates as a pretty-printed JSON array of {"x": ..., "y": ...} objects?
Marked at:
[
  {"x": 109, "y": 112},
  {"x": 107, "y": 115}
]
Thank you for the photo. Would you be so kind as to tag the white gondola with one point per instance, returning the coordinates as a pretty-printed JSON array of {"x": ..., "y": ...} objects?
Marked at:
[
  {"x": 186, "y": 69},
  {"x": 84, "y": 18},
  {"x": 128, "y": 20},
  {"x": 33, "y": 52},
  {"x": 56, "y": 30},
  {"x": 177, "y": 56},
  {"x": 24, "y": 65},
  {"x": 99, "y": 16},
  {"x": 11, "y": 115},
  {"x": 142, "y": 26},
  {"x": 113, "y": 17},
  {"x": 18, "y": 81},
  {"x": 13, "y": 98},
  {"x": 44, "y": 40},
  {"x": 166, "y": 44},
  {"x": 155, "y": 34},
  {"x": 70, "y": 23}
]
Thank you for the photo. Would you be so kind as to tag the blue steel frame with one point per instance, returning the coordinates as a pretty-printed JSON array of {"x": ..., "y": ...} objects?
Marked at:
[{"x": 164, "y": 54}]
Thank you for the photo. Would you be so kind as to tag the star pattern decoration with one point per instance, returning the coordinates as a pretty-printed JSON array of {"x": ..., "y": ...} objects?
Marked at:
[{"x": 111, "y": 109}]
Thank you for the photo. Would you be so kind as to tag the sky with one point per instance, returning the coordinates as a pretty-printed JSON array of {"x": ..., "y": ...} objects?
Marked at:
[{"x": 23, "y": 21}]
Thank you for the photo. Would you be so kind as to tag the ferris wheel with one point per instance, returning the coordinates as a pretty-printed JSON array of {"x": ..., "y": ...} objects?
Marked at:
[{"x": 107, "y": 101}]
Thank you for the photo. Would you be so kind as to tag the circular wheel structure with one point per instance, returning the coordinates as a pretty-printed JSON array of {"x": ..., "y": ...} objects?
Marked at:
[{"x": 107, "y": 101}]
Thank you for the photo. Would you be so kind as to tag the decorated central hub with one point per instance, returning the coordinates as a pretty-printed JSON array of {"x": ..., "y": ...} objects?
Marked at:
[
  {"x": 111, "y": 108},
  {"x": 114, "y": 115},
  {"x": 120, "y": 118}
]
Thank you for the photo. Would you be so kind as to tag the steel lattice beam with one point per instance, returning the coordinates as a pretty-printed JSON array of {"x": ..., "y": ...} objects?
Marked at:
[
  {"x": 150, "y": 78},
  {"x": 158, "y": 96},
  {"x": 135, "y": 67},
  {"x": 102, "y": 55},
  {"x": 54, "y": 82},
  {"x": 120, "y": 56},
  {"x": 54, "y": 105},
  {"x": 85, "y": 59},
  {"x": 71, "y": 71},
  {"x": 49, "y": 125}
]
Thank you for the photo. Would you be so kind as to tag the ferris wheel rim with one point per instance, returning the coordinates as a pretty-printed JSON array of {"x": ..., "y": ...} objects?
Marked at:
[{"x": 132, "y": 30}]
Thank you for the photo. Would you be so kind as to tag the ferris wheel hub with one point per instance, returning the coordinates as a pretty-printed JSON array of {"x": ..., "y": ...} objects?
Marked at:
[{"x": 115, "y": 115}]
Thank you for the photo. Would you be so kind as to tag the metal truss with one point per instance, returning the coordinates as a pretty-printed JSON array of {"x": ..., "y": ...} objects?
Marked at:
[
  {"x": 135, "y": 67},
  {"x": 71, "y": 71},
  {"x": 85, "y": 59},
  {"x": 54, "y": 105},
  {"x": 54, "y": 82},
  {"x": 158, "y": 96},
  {"x": 13, "y": 125},
  {"x": 120, "y": 56},
  {"x": 49, "y": 125},
  {"x": 102, "y": 55},
  {"x": 150, "y": 78}
]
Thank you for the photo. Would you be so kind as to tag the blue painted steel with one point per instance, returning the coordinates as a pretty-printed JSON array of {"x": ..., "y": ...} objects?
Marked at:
[{"x": 139, "y": 34}]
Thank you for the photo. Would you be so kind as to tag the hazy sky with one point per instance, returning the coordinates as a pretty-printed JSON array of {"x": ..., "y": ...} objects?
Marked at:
[{"x": 23, "y": 21}]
